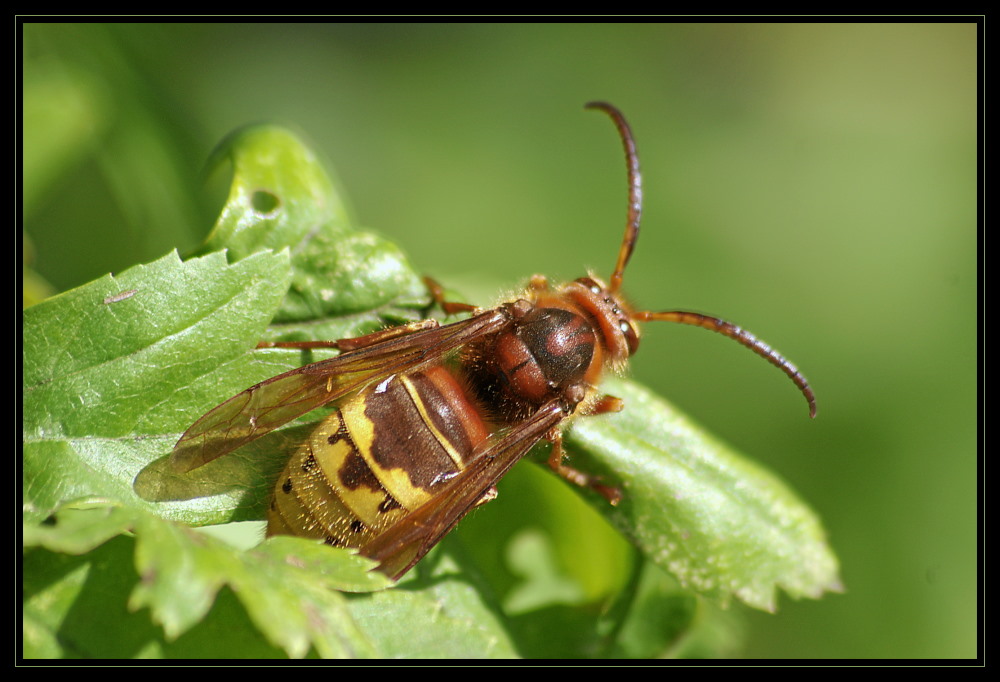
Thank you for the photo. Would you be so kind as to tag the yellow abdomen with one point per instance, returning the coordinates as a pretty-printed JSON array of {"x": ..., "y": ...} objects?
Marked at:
[{"x": 377, "y": 458}]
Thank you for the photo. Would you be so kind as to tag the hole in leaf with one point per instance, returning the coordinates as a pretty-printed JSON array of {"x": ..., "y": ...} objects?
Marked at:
[{"x": 265, "y": 202}]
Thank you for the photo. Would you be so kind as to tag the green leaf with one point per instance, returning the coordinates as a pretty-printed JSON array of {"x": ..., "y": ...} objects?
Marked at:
[
  {"x": 722, "y": 525},
  {"x": 113, "y": 368},
  {"x": 79, "y": 527},
  {"x": 292, "y": 602},
  {"x": 440, "y": 614},
  {"x": 289, "y": 590},
  {"x": 281, "y": 196}
]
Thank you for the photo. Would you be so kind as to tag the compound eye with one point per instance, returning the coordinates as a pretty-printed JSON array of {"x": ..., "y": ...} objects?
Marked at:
[
  {"x": 591, "y": 284},
  {"x": 631, "y": 334}
]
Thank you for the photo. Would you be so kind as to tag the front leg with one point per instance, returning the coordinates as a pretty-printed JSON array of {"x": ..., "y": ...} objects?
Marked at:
[{"x": 577, "y": 477}]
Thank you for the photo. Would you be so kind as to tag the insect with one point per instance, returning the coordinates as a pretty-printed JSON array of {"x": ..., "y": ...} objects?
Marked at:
[
  {"x": 120, "y": 296},
  {"x": 429, "y": 417}
]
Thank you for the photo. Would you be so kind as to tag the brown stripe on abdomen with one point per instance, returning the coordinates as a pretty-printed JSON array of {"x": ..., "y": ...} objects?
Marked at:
[{"x": 401, "y": 437}]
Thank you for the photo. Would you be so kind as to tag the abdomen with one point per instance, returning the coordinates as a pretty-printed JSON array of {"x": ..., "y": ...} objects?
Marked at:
[{"x": 377, "y": 458}]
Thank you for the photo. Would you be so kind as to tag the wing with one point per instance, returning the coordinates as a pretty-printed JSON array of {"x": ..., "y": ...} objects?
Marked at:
[
  {"x": 262, "y": 408},
  {"x": 405, "y": 543}
]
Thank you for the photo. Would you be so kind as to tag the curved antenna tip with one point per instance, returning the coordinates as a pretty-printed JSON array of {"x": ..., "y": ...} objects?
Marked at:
[{"x": 634, "y": 191}]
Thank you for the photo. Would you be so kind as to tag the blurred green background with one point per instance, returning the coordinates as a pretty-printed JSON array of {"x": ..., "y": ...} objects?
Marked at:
[{"x": 814, "y": 183}]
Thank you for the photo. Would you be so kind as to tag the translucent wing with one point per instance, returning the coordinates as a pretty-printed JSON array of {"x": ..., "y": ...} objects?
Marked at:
[
  {"x": 262, "y": 408},
  {"x": 405, "y": 543}
]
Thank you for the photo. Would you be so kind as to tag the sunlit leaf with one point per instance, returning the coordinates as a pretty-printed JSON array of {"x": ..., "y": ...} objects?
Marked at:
[{"x": 722, "y": 525}]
